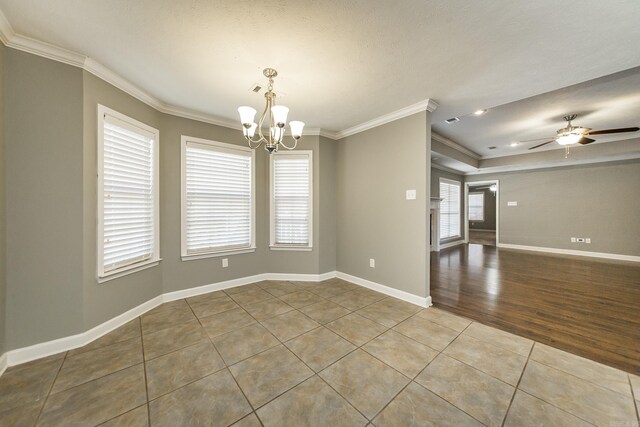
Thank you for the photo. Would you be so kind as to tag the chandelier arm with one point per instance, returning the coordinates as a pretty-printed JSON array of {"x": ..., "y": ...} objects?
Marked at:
[
  {"x": 258, "y": 143},
  {"x": 295, "y": 144}
]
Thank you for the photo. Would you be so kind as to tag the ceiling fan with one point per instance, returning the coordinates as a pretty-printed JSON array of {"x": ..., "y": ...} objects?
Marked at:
[{"x": 578, "y": 135}]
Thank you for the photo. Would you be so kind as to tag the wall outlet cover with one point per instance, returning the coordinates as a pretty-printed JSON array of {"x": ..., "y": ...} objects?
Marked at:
[
  {"x": 411, "y": 194},
  {"x": 512, "y": 203},
  {"x": 573, "y": 240},
  {"x": 372, "y": 263},
  {"x": 225, "y": 262},
  {"x": 587, "y": 240}
]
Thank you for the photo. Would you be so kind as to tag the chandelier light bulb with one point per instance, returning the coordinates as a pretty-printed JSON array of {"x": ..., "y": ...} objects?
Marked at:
[
  {"x": 251, "y": 130},
  {"x": 569, "y": 139},
  {"x": 279, "y": 114},
  {"x": 247, "y": 114},
  {"x": 296, "y": 128}
]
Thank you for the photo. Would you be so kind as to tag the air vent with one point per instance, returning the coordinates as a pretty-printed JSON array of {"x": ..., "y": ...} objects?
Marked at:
[
  {"x": 255, "y": 88},
  {"x": 493, "y": 147},
  {"x": 452, "y": 120}
]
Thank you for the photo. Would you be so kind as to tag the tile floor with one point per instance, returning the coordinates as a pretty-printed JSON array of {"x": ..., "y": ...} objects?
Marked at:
[{"x": 327, "y": 354}]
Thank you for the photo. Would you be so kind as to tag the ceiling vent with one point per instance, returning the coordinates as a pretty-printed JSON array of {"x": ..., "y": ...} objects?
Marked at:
[
  {"x": 492, "y": 147},
  {"x": 452, "y": 120},
  {"x": 255, "y": 88}
]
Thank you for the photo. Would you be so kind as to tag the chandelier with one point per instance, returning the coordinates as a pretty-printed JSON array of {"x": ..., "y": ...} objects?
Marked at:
[{"x": 275, "y": 116}]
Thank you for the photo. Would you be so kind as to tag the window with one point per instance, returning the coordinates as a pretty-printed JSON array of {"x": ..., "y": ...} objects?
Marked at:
[
  {"x": 291, "y": 200},
  {"x": 449, "y": 209},
  {"x": 128, "y": 216},
  {"x": 476, "y": 207},
  {"x": 217, "y": 199}
]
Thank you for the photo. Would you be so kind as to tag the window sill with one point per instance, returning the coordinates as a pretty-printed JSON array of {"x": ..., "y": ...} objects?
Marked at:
[
  {"x": 129, "y": 270},
  {"x": 291, "y": 248},
  {"x": 217, "y": 254}
]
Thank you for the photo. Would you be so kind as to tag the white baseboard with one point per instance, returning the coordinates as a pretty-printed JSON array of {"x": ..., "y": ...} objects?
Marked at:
[
  {"x": 37, "y": 351},
  {"x": 396, "y": 293},
  {"x": 452, "y": 244},
  {"x": 571, "y": 252},
  {"x": 3, "y": 363}
]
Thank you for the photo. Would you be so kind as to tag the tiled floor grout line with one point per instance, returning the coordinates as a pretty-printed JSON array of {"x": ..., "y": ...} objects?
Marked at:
[
  {"x": 504, "y": 418},
  {"x": 633, "y": 396},
  {"x": 144, "y": 368},
  {"x": 51, "y": 388}
]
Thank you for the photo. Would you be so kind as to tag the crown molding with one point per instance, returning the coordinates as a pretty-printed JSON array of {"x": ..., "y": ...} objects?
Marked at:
[
  {"x": 451, "y": 144},
  {"x": 427, "y": 105},
  {"x": 16, "y": 41},
  {"x": 446, "y": 169}
]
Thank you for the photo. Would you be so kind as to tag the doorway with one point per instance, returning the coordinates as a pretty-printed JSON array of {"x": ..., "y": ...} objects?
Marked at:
[{"x": 481, "y": 212}]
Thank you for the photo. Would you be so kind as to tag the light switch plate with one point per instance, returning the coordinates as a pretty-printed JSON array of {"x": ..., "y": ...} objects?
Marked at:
[
  {"x": 512, "y": 203},
  {"x": 411, "y": 194},
  {"x": 225, "y": 262}
]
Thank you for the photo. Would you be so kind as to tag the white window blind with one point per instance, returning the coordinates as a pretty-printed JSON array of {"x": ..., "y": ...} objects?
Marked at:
[
  {"x": 128, "y": 205},
  {"x": 218, "y": 198},
  {"x": 291, "y": 187},
  {"x": 449, "y": 209},
  {"x": 476, "y": 207}
]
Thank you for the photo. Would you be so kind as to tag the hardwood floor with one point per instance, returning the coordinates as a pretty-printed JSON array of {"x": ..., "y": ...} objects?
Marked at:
[
  {"x": 586, "y": 306},
  {"x": 482, "y": 237}
]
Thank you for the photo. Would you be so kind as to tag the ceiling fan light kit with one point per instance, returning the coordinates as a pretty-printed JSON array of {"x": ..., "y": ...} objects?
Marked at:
[{"x": 275, "y": 116}]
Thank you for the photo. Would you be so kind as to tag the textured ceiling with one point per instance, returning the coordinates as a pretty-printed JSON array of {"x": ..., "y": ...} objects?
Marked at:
[{"x": 342, "y": 63}]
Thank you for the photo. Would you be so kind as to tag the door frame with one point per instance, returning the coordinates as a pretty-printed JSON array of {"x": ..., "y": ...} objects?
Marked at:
[{"x": 466, "y": 206}]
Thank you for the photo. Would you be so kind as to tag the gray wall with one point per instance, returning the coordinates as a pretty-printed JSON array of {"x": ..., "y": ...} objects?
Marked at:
[
  {"x": 3, "y": 240},
  {"x": 328, "y": 205},
  {"x": 44, "y": 207},
  {"x": 374, "y": 169},
  {"x": 436, "y": 174},
  {"x": 489, "y": 222},
  {"x": 596, "y": 201}
]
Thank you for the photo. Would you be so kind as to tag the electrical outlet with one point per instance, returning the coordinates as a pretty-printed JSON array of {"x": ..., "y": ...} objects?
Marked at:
[
  {"x": 587, "y": 240},
  {"x": 512, "y": 203},
  {"x": 225, "y": 262},
  {"x": 573, "y": 240},
  {"x": 580, "y": 239},
  {"x": 372, "y": 263},
  {"x": 411, "y": 194}
]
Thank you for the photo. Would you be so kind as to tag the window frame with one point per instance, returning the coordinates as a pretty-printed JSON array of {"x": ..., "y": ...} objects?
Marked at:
[
  {"x": 459, "y": 231},
  {"x": 135, "y": 126},
  {"x": 221, "y": 147},
  {"x": 475, "y": 193},
  {"x": 272, "y": 218}
]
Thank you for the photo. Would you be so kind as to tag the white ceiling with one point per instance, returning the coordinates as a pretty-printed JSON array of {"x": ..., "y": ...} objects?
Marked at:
[{"x": 343, "y": 63}]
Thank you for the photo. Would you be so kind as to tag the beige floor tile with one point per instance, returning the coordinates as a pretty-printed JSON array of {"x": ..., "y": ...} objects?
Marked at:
[
  {"x": 249, "y": 421},
  {"x": 240, "y": 289},
  {"x": 476, "y": 393},
  {"x": 417, "y": 406},
  {"x": 173, "y": 370},
  {"x": 93, "y": 364},
  {"x": 215, "y": 400},
  {"x": 499, "y": 338},
  {"x": 289, "y": 325},
  {"x": 97, "y": 401},
  {"x": 399, "y": 305},
  {"x": 279, "y": 288},
  {"x": 269, "y": 374},
  {"x": 210, "y": 296},
  {"x": 635, "y": 384},
  {"x": 353, "y": 300},
  {"x": 204, "y": 308},
  {"x": 444, "y": 318},
  {"x": 21, "y": 416},
  {"x": 356, "y": 329},
  {"x": 426, "y": 332},
  {"x": 138, "y": 417},
  {"x": 301, "y": 299},
  {"x": 581, "y": 398},
  {"x": 266, "y": 309},
  {"x": 527, "y": 410},
  {"x": 402, "y": 353},
  {"x": 171, "y": 339},
  {"x": 227, "y": 321},
  {"x": 367, "y": 383},
  {"x": 161, "y": 317},
  {"x": 251, "y": 297},
  {"x": 495, "y": 361},
  {"x": 381, "y": 312},
  {"x": 312, "y": 403},
  {"x": 27, "y": 383},
  {"x": 124, "y": 333},
  {"x": 329, "y": 290},
  {"x": 320, "y": 348},
  {"x": 599, "y": 374},
  {"x": 368, "y": 292},
  {"x": 245, "y": 342},
  {"x": 324, "y": 311}
]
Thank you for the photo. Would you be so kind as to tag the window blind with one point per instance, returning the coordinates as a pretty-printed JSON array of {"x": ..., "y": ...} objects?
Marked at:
[
  {"x": 476, "y": 207},
  {"x": 291, "y": 204},
  {"x": 449, "y": 209},
  {"x": 128, "y": 195},
  {"x": 218, "y": 193}
]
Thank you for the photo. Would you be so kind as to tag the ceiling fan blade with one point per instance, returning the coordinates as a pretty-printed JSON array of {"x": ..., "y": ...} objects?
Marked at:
[
  {"x": 585, "y": 141},
  {"x": 605, "y": 131},
  {"x": 537, "y": 139},
  {"x": 540, "y": 145}
]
